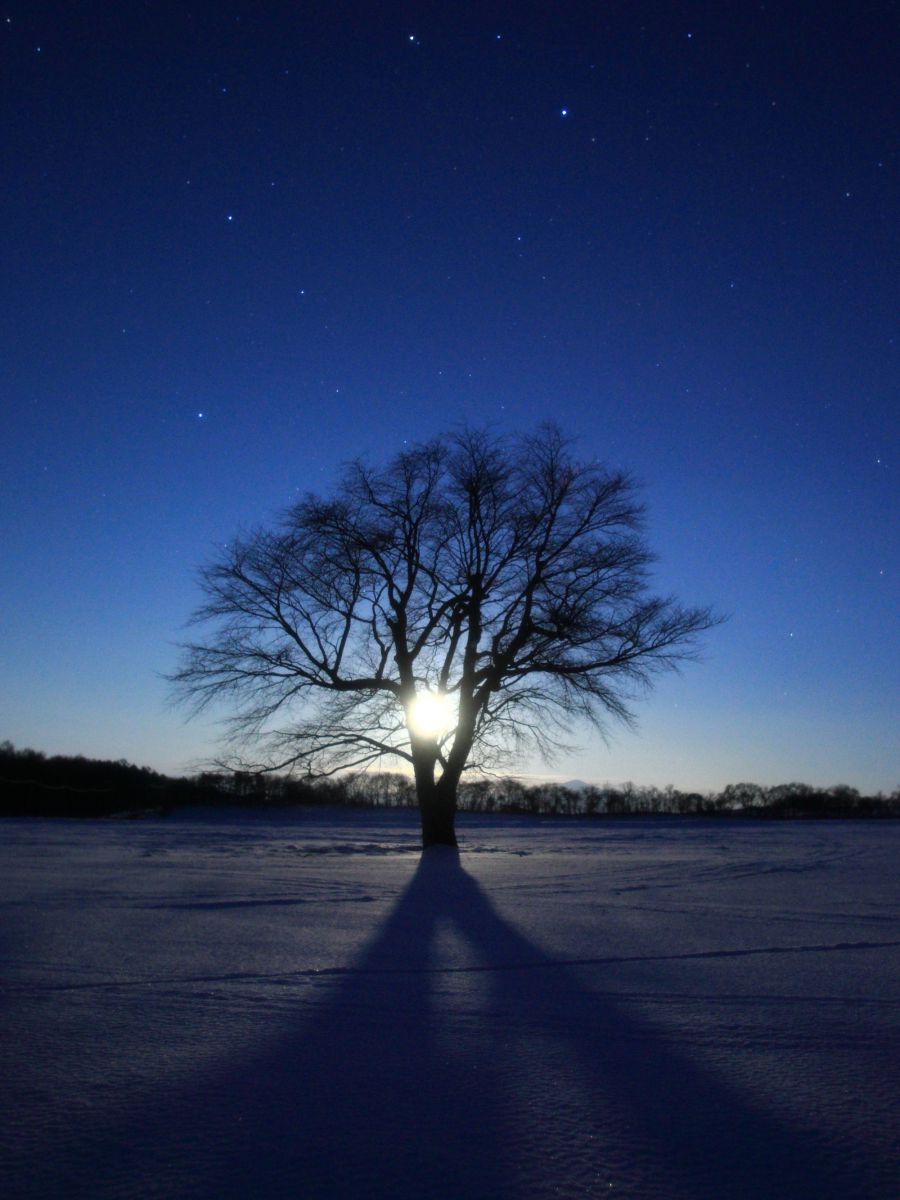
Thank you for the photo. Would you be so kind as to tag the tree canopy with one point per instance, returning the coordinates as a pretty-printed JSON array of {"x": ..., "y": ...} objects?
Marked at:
[{"x": 475, "y": 597}]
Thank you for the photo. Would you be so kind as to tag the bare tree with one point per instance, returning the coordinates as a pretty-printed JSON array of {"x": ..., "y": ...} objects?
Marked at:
[{"x": 475, "y": 597}]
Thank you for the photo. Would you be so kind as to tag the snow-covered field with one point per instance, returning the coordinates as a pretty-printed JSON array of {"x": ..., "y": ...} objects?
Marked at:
[{"x": 267, "y": 1005}]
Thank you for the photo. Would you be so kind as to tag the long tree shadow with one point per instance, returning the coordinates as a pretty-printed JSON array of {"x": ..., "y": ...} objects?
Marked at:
[
  {"x": 545, "y": 1088},
  {"x": 370, "y": 1100},
  {"x": 386, "y": 1096}
]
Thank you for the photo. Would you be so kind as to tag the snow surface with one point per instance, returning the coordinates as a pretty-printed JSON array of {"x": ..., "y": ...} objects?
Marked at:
[{"x": 295, "y": 1005}]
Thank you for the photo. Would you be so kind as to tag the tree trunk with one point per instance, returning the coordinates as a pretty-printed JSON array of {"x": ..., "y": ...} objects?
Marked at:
[
  {"x": 437, "y": 810},
  {"x": 437, "y": 798}
]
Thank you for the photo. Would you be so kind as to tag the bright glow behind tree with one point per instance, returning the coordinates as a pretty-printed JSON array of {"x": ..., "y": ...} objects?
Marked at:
[{"x": 432, "y": 713}]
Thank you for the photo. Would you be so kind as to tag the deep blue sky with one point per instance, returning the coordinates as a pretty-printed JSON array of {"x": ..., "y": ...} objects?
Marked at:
[{"x": 245, "y": 242}]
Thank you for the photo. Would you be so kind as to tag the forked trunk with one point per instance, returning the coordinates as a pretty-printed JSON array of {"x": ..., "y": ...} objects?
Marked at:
[
  {"x": 437, "y": 810},
  {"x": 437, "y": 798}
]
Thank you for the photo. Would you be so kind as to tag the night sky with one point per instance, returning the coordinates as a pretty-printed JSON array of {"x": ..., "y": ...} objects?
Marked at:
[{"x": 243, "y": 243}]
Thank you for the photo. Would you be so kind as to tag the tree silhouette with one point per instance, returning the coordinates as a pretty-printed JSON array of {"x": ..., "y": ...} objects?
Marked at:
[{"x": 474, "y": 597}]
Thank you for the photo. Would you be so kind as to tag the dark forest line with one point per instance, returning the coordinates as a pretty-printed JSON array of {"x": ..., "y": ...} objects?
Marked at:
[{"x": 38, "y": 785}]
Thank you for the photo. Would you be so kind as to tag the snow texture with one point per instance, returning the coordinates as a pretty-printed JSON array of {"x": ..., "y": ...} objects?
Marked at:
[{"x": 297, "y": 1005}]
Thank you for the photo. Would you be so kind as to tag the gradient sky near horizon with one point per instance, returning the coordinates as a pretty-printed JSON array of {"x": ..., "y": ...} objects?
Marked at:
[{"x": 245, "y": 243}]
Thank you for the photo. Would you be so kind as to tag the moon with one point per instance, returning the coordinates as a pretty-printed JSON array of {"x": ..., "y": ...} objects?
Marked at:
[{"x": 431, "y": 714}]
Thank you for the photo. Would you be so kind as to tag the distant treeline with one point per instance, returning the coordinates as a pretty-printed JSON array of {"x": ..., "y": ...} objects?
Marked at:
[{"x": 32, "y": 784}]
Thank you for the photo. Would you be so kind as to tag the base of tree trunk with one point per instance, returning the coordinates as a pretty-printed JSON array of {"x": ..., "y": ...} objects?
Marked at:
[
  {"x": 441, "y": 838},
  {"x": 437, "y": 826}
]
